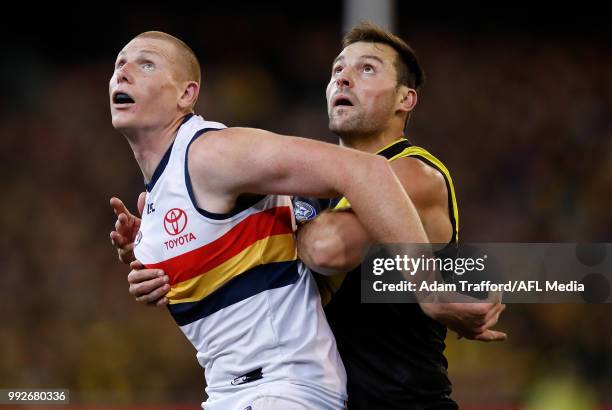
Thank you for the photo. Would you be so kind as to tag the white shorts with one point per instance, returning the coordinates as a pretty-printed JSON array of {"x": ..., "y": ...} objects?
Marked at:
[{"x": 277, "y": 395}]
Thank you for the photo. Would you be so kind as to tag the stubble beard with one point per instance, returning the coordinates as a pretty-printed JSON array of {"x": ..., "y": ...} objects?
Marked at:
[{"x": 353, "y": 126}]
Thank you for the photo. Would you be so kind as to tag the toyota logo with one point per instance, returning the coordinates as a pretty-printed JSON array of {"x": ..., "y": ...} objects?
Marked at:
[{"x": 175, "y": 221}]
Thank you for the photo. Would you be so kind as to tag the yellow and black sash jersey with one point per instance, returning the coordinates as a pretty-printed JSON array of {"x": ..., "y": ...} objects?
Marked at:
[{"x": 393, "y": 353}]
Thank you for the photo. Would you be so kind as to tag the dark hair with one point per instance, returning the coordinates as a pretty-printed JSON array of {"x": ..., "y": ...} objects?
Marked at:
[{"x": 409, "y": 71}]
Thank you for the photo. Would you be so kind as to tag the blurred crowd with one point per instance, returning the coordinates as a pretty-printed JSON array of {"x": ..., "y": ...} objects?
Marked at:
[{"x": 524, "y": 124}]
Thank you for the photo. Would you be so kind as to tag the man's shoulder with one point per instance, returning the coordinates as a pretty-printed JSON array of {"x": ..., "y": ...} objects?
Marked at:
[
  {"x": 213, "y": 145},
  {"x": 423, "y": 182},
  {"x": 209, "y": 158},
  {"x": 225, "y": 139},
  {"x": 223, "y": 158}
]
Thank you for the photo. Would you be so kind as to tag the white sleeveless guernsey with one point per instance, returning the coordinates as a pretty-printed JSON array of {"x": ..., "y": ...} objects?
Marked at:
[{"x": 238, "y": 292}]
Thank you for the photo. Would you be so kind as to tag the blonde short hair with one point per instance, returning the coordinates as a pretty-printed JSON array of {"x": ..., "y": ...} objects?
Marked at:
[{"x": 189, "y": 61}]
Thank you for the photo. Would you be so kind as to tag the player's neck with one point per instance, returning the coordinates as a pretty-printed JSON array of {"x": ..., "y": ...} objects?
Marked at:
[
  {"x": 150, "y": 145},
  {"x": 371, "y": 142}
]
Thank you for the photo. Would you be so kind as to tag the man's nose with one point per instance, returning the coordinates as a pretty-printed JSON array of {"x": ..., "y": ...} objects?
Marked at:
[
  {"x": 123, "y": 74},
  {"x": 344, "y": 79}
]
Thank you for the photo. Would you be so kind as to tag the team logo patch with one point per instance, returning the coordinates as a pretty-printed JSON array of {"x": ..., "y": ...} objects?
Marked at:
[
  {"x": 175, "y": 221},
  {"x": 303, "y": 211},
  {"x": 138, "y": 238}
]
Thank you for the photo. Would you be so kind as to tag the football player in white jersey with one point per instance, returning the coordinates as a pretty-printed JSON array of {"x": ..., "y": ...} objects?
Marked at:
[{"x": 153, "y": 90}]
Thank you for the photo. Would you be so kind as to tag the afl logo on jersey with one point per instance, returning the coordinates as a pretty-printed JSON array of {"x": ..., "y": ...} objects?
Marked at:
[
  {"x": 175, "y": 221},
  {"x": 303, "y": 211}
]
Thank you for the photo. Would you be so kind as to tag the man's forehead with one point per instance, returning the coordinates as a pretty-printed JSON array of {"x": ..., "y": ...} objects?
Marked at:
[
  {"x": 363, "y": 49},
  {"x": 147, "y": 45}
]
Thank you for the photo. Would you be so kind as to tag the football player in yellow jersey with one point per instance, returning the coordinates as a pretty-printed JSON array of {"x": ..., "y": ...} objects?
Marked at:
[
  {"x": 370, "y": 97},
  {"x": 394, "y": 356}
]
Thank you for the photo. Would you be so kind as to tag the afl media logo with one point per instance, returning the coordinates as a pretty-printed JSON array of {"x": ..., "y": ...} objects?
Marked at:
[{"x": 175, "y": 221}]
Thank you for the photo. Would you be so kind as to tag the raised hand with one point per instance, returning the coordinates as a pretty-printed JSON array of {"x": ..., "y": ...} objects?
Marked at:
[{"x": 126, "y": 228}]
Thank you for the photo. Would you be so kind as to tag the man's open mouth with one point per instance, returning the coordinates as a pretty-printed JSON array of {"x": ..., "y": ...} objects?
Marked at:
[
  {"x": 122, "y": 98},
  {"x": 343, "y": 102}
]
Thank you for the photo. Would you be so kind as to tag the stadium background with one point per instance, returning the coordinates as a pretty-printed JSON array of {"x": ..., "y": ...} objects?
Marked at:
[{"x": 517, "y": 103}]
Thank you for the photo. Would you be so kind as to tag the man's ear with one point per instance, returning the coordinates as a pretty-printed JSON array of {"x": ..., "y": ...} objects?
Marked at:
[
  {"x": 406, "y": 99},
  {"x": 189, "y": 96}
]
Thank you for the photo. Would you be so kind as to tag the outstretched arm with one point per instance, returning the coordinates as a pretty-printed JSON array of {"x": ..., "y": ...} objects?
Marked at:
[
  {"x": 334, "y": 242},
  {"x": 226, "y": 163}
]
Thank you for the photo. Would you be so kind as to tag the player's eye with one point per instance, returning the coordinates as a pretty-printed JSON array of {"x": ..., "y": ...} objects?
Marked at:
[
  {"x": 368, "y": 69},
  {"x": 119, "y": 64},
  {"x": 148, "y": 66},
  {"x": 337, "y": 69}
]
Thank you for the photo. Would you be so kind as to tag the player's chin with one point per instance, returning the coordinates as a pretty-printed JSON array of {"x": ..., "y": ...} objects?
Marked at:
[
  {"x": 121, "y": 119},
  {"x": 340, "y": 124},
  {"x": 117, "y": 122}
]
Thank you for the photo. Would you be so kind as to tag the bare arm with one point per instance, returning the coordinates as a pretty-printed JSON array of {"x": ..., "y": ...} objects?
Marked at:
[
  {"x": 233, "y": 161},
  {"x": 334, "y": 242}
]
